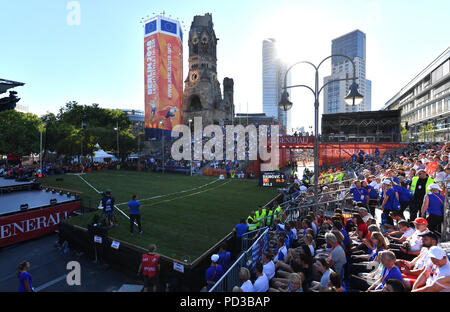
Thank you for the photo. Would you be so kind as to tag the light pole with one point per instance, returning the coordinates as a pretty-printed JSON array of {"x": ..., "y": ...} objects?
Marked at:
[
  {"x": 352, "y": 98},
  {"x": 163, "y": 139},
  {"x": 190, "y": 142},
  {"x": 40, "y": 149},
  {"x": 117, "y": 131}
]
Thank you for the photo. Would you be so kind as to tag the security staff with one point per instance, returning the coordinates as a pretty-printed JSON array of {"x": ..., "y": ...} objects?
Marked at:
[
  {"x": 251, "y": 222},
  {"x": 419, "y": 187},
  {"x": 269, "y": 216},
  {"x": 260, "y": 214}
]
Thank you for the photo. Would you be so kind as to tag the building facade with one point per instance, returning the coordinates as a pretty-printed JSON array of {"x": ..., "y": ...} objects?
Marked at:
[
  {"x": 137, "y": 118},
  {"x": 202, "y": 92},
  {"x": 352, "y": 45},
  {"x": 425, "y": 103},
  {"x": 273, "y": 74}
]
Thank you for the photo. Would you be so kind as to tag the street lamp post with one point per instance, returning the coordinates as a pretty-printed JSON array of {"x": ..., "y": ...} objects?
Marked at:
[
  {"x": 352, "y": 98},
  {"x": 117, "y": 131},
  {"x": 40, "y": 149},
  {"x": 163, "y": 139}
]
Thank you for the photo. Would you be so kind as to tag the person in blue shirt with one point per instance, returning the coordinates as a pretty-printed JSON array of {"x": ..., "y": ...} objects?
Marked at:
[
  {"x": 224, "y": 257},
  {"x": 214, "y": 272},
  {"x": 390, "y": 201},
  {"x": 433, "y": 207},
  {"x": 404, "y": 195},
  {"x": 360, "y": 194},
  {"x": 390, "y": 271},
  {"x": 135, "y": 214},
  {"x": 25, "y": 280},
  {"x": 108, "y": 209},
  {"x": 239, "y": 230}
]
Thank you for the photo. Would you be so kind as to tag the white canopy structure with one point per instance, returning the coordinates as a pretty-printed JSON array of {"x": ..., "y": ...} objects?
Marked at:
[{"x": 101, "y": 155}]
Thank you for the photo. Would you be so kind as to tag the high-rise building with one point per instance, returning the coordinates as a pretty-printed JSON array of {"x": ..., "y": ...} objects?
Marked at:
[
  {"x": 352, "y": 45},
  {"x": 273, "y": 81}
]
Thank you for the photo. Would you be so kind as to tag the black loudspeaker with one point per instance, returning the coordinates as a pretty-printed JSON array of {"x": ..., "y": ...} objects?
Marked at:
[
  {"x": 24, "y": 207},
  {"x": 53, "y": 201}
]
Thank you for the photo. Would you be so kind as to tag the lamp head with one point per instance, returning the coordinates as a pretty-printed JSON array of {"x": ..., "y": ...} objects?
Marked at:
[
  {"x": 353, "y": 97},
  {"x": 285, "y": 104}
]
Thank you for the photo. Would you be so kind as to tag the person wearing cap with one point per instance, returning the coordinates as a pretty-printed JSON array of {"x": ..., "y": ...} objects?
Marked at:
[
  {"x": 430, "y": 278},
  {"x": 108, "y": 209},
  {"x": 373, "y": 196},
  {"x": 404, "y": 195},
  {"x": 419, "y": 187},
  {"x": 433, "y": 207},
  {"x": 412, "y": 269},
  {"x": 390, "y": 201},
  {"x": 411, "y": 246},
  {"x": 365, "y": 215},
  {"x": 214, "y": 272}
]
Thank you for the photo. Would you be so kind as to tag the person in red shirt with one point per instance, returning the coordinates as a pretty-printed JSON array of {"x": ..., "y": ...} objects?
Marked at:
[
  {"x": 361, "y": 227},
  {"x": 149, "y": 268}
]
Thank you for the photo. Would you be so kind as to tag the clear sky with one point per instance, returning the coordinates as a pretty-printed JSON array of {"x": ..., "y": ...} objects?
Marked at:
[{"x": 101, "y": 59}]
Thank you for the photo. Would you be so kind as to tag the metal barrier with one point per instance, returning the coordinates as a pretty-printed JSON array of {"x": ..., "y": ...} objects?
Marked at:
[
  {"x": 246, "y": 259},
  {"x": 249, "y": 238}
]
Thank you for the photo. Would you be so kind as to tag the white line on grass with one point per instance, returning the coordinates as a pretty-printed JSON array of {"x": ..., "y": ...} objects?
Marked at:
[
  {"x": 115, "y": 206},
  {"x": 179, "y": 192}
]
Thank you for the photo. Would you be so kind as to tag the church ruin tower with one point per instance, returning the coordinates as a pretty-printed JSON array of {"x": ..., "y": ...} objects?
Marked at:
[
  {"x": 202, "y": 93},
  {"x": 228, "y": 101}
]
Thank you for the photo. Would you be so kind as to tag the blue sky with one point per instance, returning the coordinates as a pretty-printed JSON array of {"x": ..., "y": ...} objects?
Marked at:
[{"x": 101, "y": 60}]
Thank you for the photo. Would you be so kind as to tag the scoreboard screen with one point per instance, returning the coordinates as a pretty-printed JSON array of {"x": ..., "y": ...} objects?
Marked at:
[{"x": 276, "y": 179}]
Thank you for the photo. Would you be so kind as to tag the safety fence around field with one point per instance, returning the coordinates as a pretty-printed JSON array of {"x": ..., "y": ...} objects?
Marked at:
[{"x": 247, "y": 259}]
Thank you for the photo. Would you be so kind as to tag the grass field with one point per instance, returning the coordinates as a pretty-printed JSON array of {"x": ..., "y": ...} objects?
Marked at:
[{"x": 182, "y": 225}]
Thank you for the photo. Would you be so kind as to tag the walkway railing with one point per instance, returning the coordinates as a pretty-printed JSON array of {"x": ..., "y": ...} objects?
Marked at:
[{"x": 246, "y": 259}]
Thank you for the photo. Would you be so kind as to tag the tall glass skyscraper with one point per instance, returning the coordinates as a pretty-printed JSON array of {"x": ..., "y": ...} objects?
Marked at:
[
  {"x": 273, "y": 81},
  {"x": 352, "y": 45}
]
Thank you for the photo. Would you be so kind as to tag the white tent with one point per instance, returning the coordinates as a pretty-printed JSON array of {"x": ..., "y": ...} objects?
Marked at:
[{"x": 101, "y": 155}]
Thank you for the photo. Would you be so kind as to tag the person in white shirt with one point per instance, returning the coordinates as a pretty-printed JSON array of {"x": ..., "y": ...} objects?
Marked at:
[
  {"x": 244, "y": 275},
  {"x": 268, "y": 265},
  {"x": 262, "y": 282},
  {"x": 405, "y": 231},
  {"x": 282, "y": 251},
  {"x": 431, "y": 277}
]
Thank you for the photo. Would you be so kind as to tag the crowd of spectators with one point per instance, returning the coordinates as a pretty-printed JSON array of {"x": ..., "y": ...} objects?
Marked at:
[{"x": 383, "y": 232}]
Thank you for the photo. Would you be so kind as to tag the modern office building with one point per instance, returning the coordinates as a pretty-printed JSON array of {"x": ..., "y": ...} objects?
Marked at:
[
  {"x": 273, "y": 72},
  {"x": 425, "y": 102},
  {"x": 352, "y": 45}
]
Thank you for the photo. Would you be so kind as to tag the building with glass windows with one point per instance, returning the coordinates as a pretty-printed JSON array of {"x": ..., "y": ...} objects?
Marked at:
[
  {"x": 352, "y": 45},
  {"x": 273, "y": 70},
  {"x": 425, "y": 103}
]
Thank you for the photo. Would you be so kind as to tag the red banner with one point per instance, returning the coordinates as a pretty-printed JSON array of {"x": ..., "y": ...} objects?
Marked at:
[{"x": 27, "y": 225}]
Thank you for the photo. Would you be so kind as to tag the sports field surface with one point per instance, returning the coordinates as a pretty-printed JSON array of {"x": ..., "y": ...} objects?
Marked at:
[{"x": 183, "y": 215}]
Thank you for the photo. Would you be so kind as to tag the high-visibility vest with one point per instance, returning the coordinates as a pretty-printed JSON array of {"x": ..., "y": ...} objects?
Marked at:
[
  {"x": 269, "y": 218},
  {"x": 277, "y": 212},
  {"x": 414, "y": 183},
  {"x": 149, "y": 264},
  {"x": 251, "y": 225},
  {"x": 260, "y": 218}
]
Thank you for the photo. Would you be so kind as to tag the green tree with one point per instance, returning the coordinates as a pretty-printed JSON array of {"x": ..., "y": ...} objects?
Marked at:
[
  {"x": 425, "y": 132},
  {"x": 405, "y": 134},
  {"x": 19, "y": 133}
]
